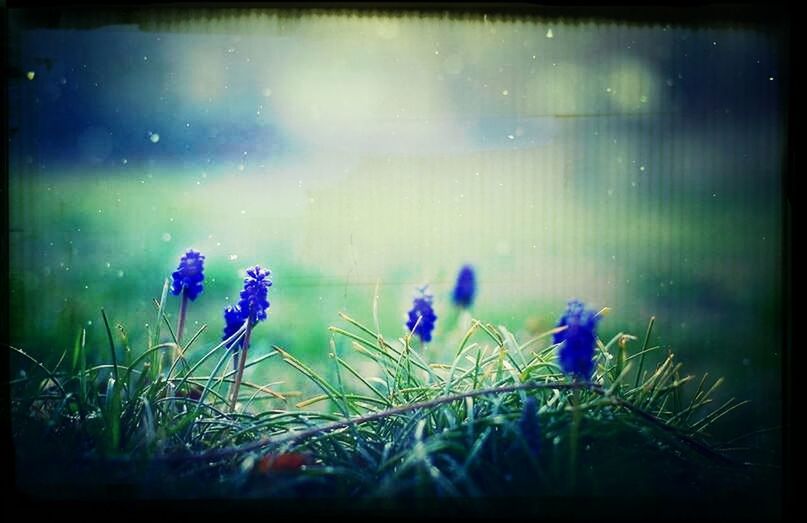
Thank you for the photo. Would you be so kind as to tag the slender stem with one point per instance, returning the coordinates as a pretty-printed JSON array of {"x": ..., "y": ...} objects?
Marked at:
[
  {"x": 183, "y": 309},
  {"x": 243, "y": 357},
  {"x": 621, "y": 359},
  {"x": 36, "y": 362},
  {"x": 111, "y": 346},
  {"x": 644, "y": 346},
  {"x": 235, "y": 356},
  {"x": 235, "y": 348},
  {"x": 408, "y": 364}
]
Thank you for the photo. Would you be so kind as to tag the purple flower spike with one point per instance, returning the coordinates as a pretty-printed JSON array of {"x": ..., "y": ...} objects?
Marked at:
[
  {"x": 422, "y": 309},
  {"x": 576, "y": 354},
  {"x": 254, "y": 302},
  {"x": 189, "y": 275},
  {"x": 465, "y": 288}
]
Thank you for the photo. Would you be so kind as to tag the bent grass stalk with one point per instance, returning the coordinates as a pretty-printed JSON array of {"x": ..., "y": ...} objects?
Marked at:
[{"x": 424, "y": 405}]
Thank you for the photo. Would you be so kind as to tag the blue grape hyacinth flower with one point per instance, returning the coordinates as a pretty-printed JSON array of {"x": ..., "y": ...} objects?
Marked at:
[
  {"x": 252, "y": 307},
  {"x": 189, "y": 275},
  {"x": 254, "y": 302},
  {"x": 422, "y": 309},
  {"x": 576, "y": 353},
  {"x": 465, "y": 289},
  {"x": 573, "y": 308}
]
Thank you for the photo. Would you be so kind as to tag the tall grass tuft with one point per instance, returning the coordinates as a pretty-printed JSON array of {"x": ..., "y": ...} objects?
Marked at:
[{"x": 496, "y": 419}]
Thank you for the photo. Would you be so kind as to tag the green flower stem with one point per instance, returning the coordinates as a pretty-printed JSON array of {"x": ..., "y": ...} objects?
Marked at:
[
  {"x": 243, "y": 357},
  {"x": 183, "y": 309}
]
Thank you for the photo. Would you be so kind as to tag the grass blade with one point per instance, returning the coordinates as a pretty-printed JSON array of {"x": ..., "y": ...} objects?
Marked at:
[{"x": 644, "y": 346}]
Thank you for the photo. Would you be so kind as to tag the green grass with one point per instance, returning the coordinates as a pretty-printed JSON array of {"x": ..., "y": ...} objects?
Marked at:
[
  {"x": 388, "y": 422},
  {"x": 377, "y": 417}
]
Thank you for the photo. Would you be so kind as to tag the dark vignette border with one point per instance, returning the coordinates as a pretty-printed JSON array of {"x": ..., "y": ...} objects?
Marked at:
[{"x": 771, "y": 18}]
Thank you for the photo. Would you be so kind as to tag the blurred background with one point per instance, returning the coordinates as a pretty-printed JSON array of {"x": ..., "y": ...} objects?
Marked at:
[{"x": 632, "y": 167}]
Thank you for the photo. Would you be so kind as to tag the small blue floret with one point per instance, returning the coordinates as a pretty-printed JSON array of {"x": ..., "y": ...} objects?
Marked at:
[
  {"x": 465, "y": 288},
  {"x": 233, "y": 320}
]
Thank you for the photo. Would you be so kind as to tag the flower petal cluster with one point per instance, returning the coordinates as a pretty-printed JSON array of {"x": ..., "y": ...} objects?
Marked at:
[
  {"x": 254, "y": 301},
  {"x": 576, "y": 353},
  {"x": 422, "y": 310},
  {"x": 189, "y": 275},
  {"x": 465, "y": 289}
]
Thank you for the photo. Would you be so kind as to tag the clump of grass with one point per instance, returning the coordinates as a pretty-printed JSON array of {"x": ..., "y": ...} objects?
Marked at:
[{"x": 454, "y": 429}]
